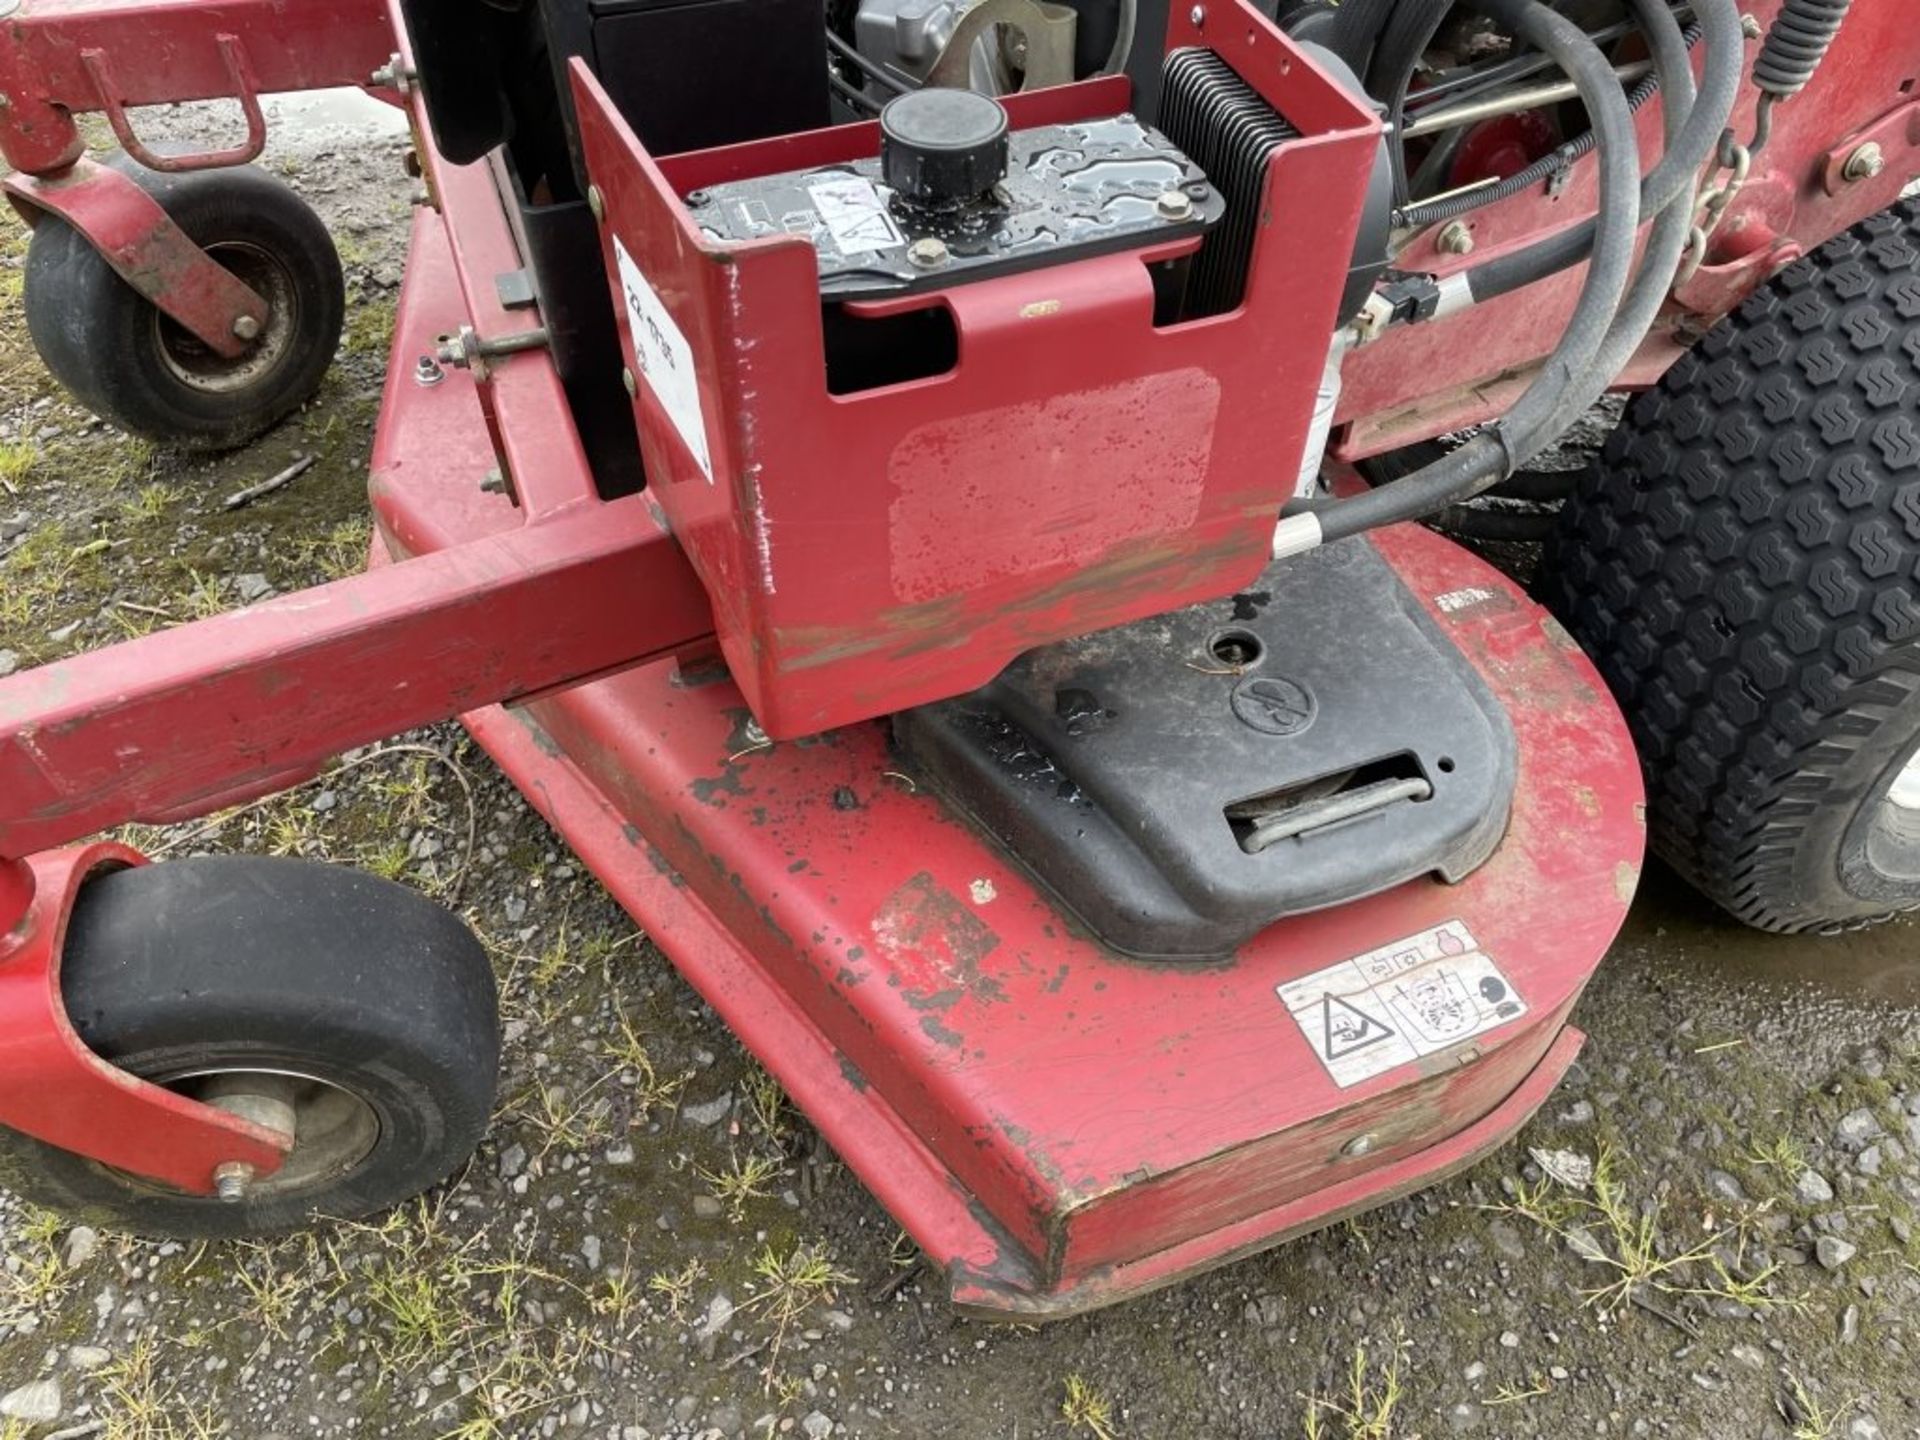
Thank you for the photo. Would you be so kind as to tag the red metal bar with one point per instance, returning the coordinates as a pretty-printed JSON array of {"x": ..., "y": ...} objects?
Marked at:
[
  {"x": 147, "y": 250},
  {"x": 54, "y": 1088},
  {"x": 60, "y": 58},
  {"x": 182, "y": 721}
]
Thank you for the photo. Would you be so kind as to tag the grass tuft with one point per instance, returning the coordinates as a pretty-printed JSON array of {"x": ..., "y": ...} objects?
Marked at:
[{"x": 1085, "y": 1409}]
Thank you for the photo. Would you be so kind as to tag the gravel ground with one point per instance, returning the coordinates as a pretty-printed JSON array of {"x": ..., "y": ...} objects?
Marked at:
[{"x": 1708, "y": 1232}]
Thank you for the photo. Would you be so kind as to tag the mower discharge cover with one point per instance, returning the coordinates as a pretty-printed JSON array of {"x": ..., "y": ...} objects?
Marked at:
[
  {"x": 1074, "y": 462},
  {"x": 1182, "y": 782}
]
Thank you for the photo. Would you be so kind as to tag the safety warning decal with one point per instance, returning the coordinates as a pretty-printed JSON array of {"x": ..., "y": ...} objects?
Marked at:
[
  {"x": 855, "y": 214},
  {"x": 1392, "y": 1006}
]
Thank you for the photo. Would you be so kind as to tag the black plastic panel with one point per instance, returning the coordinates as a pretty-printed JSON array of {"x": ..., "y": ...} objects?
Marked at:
[{"x": 1116, "y": 768}]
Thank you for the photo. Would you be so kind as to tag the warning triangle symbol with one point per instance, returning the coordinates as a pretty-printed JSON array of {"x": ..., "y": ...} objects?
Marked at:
[{"x": 1348, "y": 1028}]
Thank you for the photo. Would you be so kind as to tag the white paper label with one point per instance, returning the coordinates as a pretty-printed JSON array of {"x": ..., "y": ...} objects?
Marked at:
[
  {"x": 855, "y": 215},
  {"x": 1400, "y": 1003},
  {"x": 666, "y": 360}
]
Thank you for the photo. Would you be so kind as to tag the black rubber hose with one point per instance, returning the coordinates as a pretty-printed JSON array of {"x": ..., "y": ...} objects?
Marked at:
[
  {"x": 1667, "y": 242},
  {"x": 1677, "y": 172},
  {"x": 1493, "y": 454},
  {"x": 1557, "y": 161}
]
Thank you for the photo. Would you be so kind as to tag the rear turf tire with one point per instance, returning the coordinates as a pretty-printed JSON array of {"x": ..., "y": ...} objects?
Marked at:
[
  {"x": 1742, "y": 567},
  {"x": 381, "y": 1003}
]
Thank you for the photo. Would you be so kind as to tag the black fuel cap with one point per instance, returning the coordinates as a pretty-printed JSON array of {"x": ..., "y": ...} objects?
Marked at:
[{"x": 941, "y": 146}]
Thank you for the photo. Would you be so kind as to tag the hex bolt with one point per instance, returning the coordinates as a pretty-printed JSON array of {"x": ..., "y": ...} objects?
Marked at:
[
  {"x": 427, "y": 371},
  {"x": 597, "y": 203},
  {"x": 1174, "y": 205},
  {"x": 929, "y": 253},
  {"x": 245, "y": 327},
  {"x": 1456, "y": 239},
  {"x": 1864, "y": 163},
  {"x": 1750, "y": 27},
  {"x": 232, "y": 1180}
]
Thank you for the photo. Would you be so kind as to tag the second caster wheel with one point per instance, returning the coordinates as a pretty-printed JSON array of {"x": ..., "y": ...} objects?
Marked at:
[
  {"x": 315, "y": 998},
  {"x": 130, "y": 364}
]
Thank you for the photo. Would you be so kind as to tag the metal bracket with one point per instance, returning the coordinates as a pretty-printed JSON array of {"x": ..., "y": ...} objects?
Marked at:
[
  {"x": 147, "y": 250},
  {"x": 244, "y": 90},
  {"x": 56, "y": 1089}
]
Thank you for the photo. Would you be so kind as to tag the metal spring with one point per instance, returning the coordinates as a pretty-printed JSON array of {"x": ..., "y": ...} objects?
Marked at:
[{"x": 1796, "y": 44}]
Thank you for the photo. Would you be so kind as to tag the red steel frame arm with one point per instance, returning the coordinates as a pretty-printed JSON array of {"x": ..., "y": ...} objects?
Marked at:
[
  {"x": 59, "y": 58},
  {"x": 186, "y": 720}
]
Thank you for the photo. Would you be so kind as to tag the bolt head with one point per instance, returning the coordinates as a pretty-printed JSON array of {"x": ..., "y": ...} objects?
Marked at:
[
  {"x": 1865, "y": 162},
  {"x": 1174, "y": 205},
  {"x": 597, "y": 203},
  {"x": 232, "y": 1180},
  {"x": 633, "y": 385},
  {"x": 1359, "y": 1145},
  {"x": 929, "y": 253},
  {"x": 1198, "y": 15},
  {"x": 1456, "y": 239},
  {"x": 246, "y": 328}
]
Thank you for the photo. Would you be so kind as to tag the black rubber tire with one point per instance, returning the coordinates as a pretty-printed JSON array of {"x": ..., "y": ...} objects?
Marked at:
[
  {"x": 252, "y": 963},
  {"x": 1742, "y": 567},
  {"x": 110, "y": 347}
]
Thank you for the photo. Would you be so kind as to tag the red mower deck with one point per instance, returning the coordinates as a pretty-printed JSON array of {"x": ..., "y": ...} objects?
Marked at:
[{"x": 1057, "y": 1127}]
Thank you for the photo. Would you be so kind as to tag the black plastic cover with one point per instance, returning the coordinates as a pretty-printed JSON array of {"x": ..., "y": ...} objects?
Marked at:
[{"x": 1115, "y": 767}]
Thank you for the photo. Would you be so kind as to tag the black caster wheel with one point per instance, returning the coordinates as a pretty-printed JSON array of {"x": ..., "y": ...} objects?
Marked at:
[
  {"x": 352, "y": 1009},
  {"x": 130, "y": 364}
]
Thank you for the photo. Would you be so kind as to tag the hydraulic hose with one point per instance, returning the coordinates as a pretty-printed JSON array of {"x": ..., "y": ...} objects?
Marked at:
[
  {"x": 1495, "y": 453},
  {"x": 1667, "y": 242},
  {"x": 1676, "y": 174}
]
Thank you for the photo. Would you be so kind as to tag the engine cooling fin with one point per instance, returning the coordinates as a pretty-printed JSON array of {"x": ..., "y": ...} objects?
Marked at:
[{"x": 1219, "y": 122}]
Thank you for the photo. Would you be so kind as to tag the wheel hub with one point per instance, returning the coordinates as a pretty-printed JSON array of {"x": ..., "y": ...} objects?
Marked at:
[{"x": 333, "y": 1130}]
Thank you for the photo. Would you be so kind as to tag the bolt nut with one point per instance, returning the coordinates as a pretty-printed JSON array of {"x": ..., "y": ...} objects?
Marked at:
[
  {"x": 427, "y": 371},
  {"x": 1174, "y": 205},
  {"x": 232, "y": 1180},
  {"x": 597, "y": 203},
  {"x": 245, "y": 327},
  {"x": 1865, "y": 162},
  {"x": 929, "y": 253},
  {"x": 1750, "y": 26},
  {"x": 1456, "y": 239}
]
